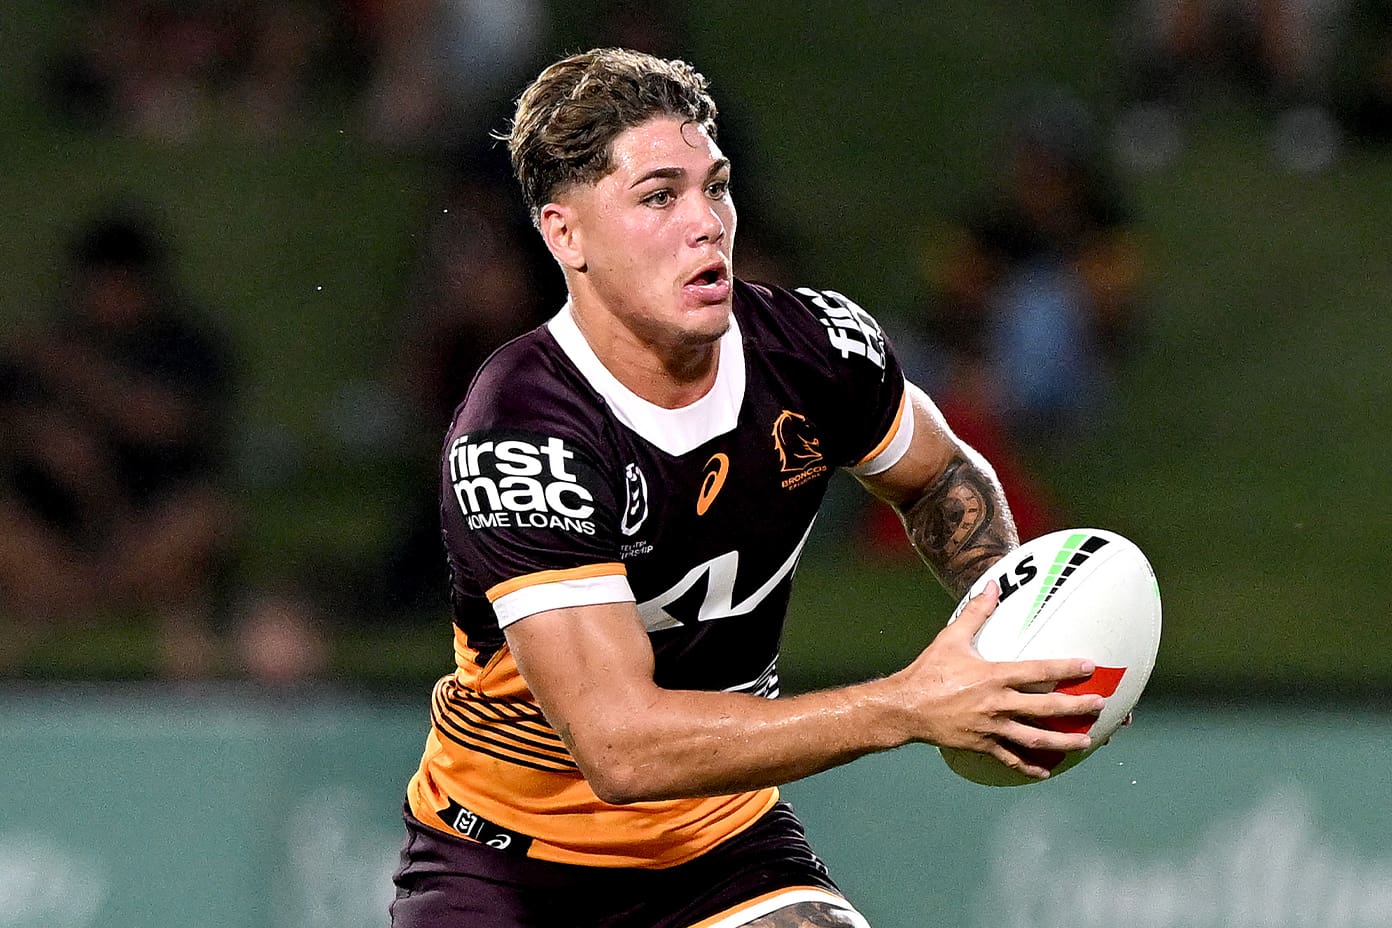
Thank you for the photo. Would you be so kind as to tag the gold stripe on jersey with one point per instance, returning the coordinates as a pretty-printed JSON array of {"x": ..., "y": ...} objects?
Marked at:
[
  {"x": 491, "y": 751},
  {"x": 500, "y": 590},
  {"x": 889, "y": 436},
  {"x": 503, "y": 728}
]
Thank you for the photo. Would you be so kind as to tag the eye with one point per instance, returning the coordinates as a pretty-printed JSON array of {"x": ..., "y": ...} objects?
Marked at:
[
  {"x": 719, "y": 189},
  {"x": 658, "y": 198}
]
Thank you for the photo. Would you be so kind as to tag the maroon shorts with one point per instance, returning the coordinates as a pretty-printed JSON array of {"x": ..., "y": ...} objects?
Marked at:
[{"x": 449, "y": 882}]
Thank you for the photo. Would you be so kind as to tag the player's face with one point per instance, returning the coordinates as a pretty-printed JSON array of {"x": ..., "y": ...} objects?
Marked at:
[{"x": 658, "y": 233}]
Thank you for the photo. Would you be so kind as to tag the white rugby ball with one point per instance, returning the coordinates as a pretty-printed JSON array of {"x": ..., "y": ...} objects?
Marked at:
[{"x": 1084, "y": 593}]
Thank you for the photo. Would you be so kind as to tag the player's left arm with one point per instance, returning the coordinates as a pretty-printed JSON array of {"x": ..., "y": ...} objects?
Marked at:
[{"x": 948, "y": 496}]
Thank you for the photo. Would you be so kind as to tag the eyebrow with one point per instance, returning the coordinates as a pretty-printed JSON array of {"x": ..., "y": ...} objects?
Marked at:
[{"x": 716, "y": 167}]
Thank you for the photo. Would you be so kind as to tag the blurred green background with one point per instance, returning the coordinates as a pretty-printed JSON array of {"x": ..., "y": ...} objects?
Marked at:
[{"x": 1246, "y": 455}]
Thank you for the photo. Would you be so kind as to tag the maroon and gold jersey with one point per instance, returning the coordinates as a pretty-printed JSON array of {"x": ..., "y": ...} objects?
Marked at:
[{"x": 563, "y": 488}]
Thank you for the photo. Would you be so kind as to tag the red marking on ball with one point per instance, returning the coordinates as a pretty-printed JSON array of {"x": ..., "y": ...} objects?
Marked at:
[{"x": 1103, "y": 682}]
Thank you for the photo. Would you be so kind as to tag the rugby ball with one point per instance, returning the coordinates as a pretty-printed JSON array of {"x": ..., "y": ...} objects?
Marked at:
[{"x": 1084, "y": 593}]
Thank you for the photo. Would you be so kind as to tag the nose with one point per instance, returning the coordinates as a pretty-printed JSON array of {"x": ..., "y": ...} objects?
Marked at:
[{"x": 707, "y": 225}]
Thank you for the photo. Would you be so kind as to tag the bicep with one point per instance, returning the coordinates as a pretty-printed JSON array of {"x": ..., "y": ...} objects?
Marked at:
[
  {"x": 952, "y": 504},
  {"x": 932, "y": 448},
  {"x": 589, "y": 667}
]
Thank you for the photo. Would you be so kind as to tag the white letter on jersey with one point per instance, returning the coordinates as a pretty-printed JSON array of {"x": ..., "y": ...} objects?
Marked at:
[
  {"x": 522, "y": 494},
  {"x": 556, "y": 452},
  {"x": 553, "y": 499},
  {"x": 851, "y": 329},
  {"x": 720, "y": 589},
  {"x": 517, "y": 458},
  {"x": 471, "y": 488}
]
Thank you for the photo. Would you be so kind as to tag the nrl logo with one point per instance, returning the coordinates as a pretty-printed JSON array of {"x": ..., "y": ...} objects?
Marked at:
[
  {"x": 635, "y": 500},
  {"x": 798, "y": 449}
]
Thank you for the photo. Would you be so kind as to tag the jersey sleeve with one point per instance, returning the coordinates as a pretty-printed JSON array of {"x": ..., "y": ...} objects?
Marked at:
[
  {"x": 872, "y": 414},
  {"x": 532, "y": 519}
]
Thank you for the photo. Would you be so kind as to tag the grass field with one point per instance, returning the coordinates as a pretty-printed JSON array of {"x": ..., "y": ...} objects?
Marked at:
[{"x": 1246, "y": 456}]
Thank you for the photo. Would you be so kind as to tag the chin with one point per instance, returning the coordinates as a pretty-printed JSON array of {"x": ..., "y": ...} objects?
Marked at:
[{"x": 709, "y": 321}]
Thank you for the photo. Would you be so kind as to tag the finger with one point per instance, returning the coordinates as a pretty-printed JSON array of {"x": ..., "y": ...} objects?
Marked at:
[
  {"x": 1003, "y": 753},
  {"x": 1053, "y": 705},
  {"x": 1017, "y": 735},
  {"x": 978, "y": 610},
  {"x": 1055, "y": 670}
]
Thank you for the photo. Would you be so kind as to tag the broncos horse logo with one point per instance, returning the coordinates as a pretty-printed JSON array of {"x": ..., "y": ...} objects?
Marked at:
[{"x": 794, "y": 442}]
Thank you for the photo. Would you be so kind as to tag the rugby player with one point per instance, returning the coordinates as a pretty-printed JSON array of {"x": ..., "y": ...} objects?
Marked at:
[{"x": 625, "y": 494}]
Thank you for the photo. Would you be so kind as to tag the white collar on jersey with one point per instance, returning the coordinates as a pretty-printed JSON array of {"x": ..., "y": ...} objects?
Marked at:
[{"x": 675, "y": 431}]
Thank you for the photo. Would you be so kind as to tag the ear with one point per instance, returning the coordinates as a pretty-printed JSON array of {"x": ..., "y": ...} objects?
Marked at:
[{"x": 560, "y": 230}]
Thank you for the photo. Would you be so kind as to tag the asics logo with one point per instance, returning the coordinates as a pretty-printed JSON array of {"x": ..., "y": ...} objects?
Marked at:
[{"x": 716, "y": 469}]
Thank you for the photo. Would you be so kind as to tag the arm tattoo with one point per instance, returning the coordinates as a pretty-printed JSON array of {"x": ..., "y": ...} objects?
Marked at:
[
  {"x": 962, "y": 525},
  {"x": 806, "y": 915}
]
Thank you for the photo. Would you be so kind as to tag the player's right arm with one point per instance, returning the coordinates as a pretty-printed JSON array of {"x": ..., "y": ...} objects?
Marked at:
[{"x": 591, "y": 669}]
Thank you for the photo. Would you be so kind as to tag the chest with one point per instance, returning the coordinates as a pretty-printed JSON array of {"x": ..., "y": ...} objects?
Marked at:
[{"x": 716, "y": 532}]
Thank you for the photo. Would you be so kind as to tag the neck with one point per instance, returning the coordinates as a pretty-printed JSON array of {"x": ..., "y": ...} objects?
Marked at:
[{"x": 670, "y": 376}]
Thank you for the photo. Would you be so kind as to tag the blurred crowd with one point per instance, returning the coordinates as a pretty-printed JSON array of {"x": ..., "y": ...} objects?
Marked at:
[
  {"x": 415, "y": 70},
  {"x": 120, "y": 492},
  {"x": 113, "y": 436},
  {"x": 119, "y": 495},
  {"x": 1319, "y": 70}
]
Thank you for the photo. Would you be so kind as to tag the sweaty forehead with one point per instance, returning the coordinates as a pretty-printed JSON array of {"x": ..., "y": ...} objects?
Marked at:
[{"x": 663, "y": 142}]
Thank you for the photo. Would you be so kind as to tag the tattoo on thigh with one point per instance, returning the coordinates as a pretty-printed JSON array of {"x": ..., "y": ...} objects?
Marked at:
[
  {"x": 961, "y": 525},
  {"x": 807, "y": 915}
]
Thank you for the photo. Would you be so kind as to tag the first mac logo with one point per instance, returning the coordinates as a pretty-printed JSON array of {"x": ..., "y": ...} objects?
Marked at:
[{"x": 519, "y": 482}]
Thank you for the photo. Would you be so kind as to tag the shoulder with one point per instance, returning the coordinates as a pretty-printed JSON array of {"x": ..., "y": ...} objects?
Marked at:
[
  {"x": 529, "y": 390},
  {"x": 527, "y": 380},
  {"x": 813, "y": 323},
  {"x": 768, "y": 311}
]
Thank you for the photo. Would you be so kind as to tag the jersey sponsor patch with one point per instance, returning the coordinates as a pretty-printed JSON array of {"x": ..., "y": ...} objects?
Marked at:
[
  {"x": 522, "y": 480},
  {"x": 852, "y": 330}
]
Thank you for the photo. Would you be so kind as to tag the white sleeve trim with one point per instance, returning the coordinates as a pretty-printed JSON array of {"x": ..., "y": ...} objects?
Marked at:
[
  {"x": 898, "y": 445},
  {"x": 562, "y": 594}
]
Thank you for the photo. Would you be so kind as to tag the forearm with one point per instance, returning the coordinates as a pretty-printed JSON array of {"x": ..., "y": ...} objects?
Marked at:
[
  {"x": 961, "y": 525},
  {"x": 591, "y": 670},
  {"x": 685, "y": 743}
]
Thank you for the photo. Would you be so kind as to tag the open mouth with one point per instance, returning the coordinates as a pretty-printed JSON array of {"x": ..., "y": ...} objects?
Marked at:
[{"x": 711, "y": 282}]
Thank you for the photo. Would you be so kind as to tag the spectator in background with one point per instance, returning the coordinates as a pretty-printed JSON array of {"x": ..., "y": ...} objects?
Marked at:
[
  {"x": 1283, "y": 50},
  {"x": 443, "y": 68},
  {"x": 1034, "y": 303},
  {"x": 1042, "y": 285},
  {"x": 115, "y": 423},
  {"x": 167, "y": 69},
  {"x": 482, "y": 278}
]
